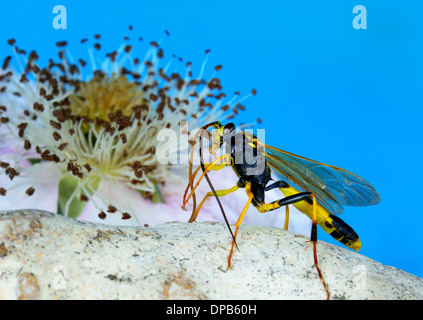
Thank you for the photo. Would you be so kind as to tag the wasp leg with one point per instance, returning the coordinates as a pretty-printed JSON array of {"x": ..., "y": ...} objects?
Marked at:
[
  {"x": 313, "y": 240},
  {"x": 215, "y": 167},
  {"x": 295, "y": 198},
  {"x": 266, "y": 207},
  {"x": 286, "y": 224},
  {"x": 212, "y": 166},
  {"x": 239, "y": 221},
  {"x": 189, "y": 185},
  {"x": 220, "y": 193},
  {"x": 199, "y": 134},
  {"x": 280, "y": 184},
  {"x": 277, "y": 184}
]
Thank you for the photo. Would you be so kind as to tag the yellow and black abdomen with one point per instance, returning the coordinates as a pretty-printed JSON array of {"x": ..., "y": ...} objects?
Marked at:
[
  {"x": 341, "y": 231},
  {"x": 331, "y": 224}
]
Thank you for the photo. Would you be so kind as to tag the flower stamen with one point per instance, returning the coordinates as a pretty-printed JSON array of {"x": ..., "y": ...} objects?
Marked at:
[{"x": 101, "y": 128}]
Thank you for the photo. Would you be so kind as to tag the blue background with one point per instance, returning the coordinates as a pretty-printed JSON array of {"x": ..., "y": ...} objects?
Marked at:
[{"x": 350, "y": 98}]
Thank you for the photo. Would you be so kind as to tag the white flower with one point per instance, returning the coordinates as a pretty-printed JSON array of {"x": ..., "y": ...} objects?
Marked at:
[{"x": 84, "y": 144}]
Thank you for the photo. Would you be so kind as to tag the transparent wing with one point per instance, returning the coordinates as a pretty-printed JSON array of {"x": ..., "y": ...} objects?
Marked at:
[{"x": 333, "y": 187}]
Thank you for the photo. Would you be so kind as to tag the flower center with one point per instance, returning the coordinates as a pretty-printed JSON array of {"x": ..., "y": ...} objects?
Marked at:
[{"x": 103, "y": 95}]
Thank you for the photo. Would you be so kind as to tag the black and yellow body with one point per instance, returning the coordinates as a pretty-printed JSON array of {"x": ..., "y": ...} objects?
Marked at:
[
  {"x": 330, "y": 223},
  {"x": 324, "y": 188}
]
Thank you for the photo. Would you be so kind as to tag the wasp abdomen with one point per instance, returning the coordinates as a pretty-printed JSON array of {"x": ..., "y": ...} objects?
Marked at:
[{"x": 341, "y": 232}]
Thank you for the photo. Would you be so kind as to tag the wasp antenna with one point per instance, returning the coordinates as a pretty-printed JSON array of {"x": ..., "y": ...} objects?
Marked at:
[
  {"x": 191, "y": 160},
  {"x": 214, "y": 191}
]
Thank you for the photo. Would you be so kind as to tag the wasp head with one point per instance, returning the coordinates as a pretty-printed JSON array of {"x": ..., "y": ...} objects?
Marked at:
[{"x": 219, "y": 134}]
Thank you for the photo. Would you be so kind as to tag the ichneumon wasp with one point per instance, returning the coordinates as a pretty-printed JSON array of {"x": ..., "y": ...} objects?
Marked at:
[{"x": 320, "y": 191}]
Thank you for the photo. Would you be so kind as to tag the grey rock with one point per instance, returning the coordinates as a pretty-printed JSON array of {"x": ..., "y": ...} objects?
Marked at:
[{"x": 46, "y": 256}]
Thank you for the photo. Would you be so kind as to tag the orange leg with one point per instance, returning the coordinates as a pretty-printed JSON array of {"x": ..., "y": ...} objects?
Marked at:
[
  {"x": 211, "y": 166},
  {"x": 216, "y": 167},
  {"x": 239, "y": 221},
  {"x": 219, "y": 193},
  {"x": 314, "y": 242},
  {"x": 188, "y": 186},
  {"x": 191, "y": 158},
  {"x": 285, "y": 227}
]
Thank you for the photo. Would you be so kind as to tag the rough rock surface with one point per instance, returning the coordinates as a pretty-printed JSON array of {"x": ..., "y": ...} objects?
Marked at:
[{"x": 46, "y": 256}]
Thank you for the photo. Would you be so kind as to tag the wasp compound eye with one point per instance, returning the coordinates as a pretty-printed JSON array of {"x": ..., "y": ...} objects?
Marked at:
[{"x": 228, "y": 128}]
